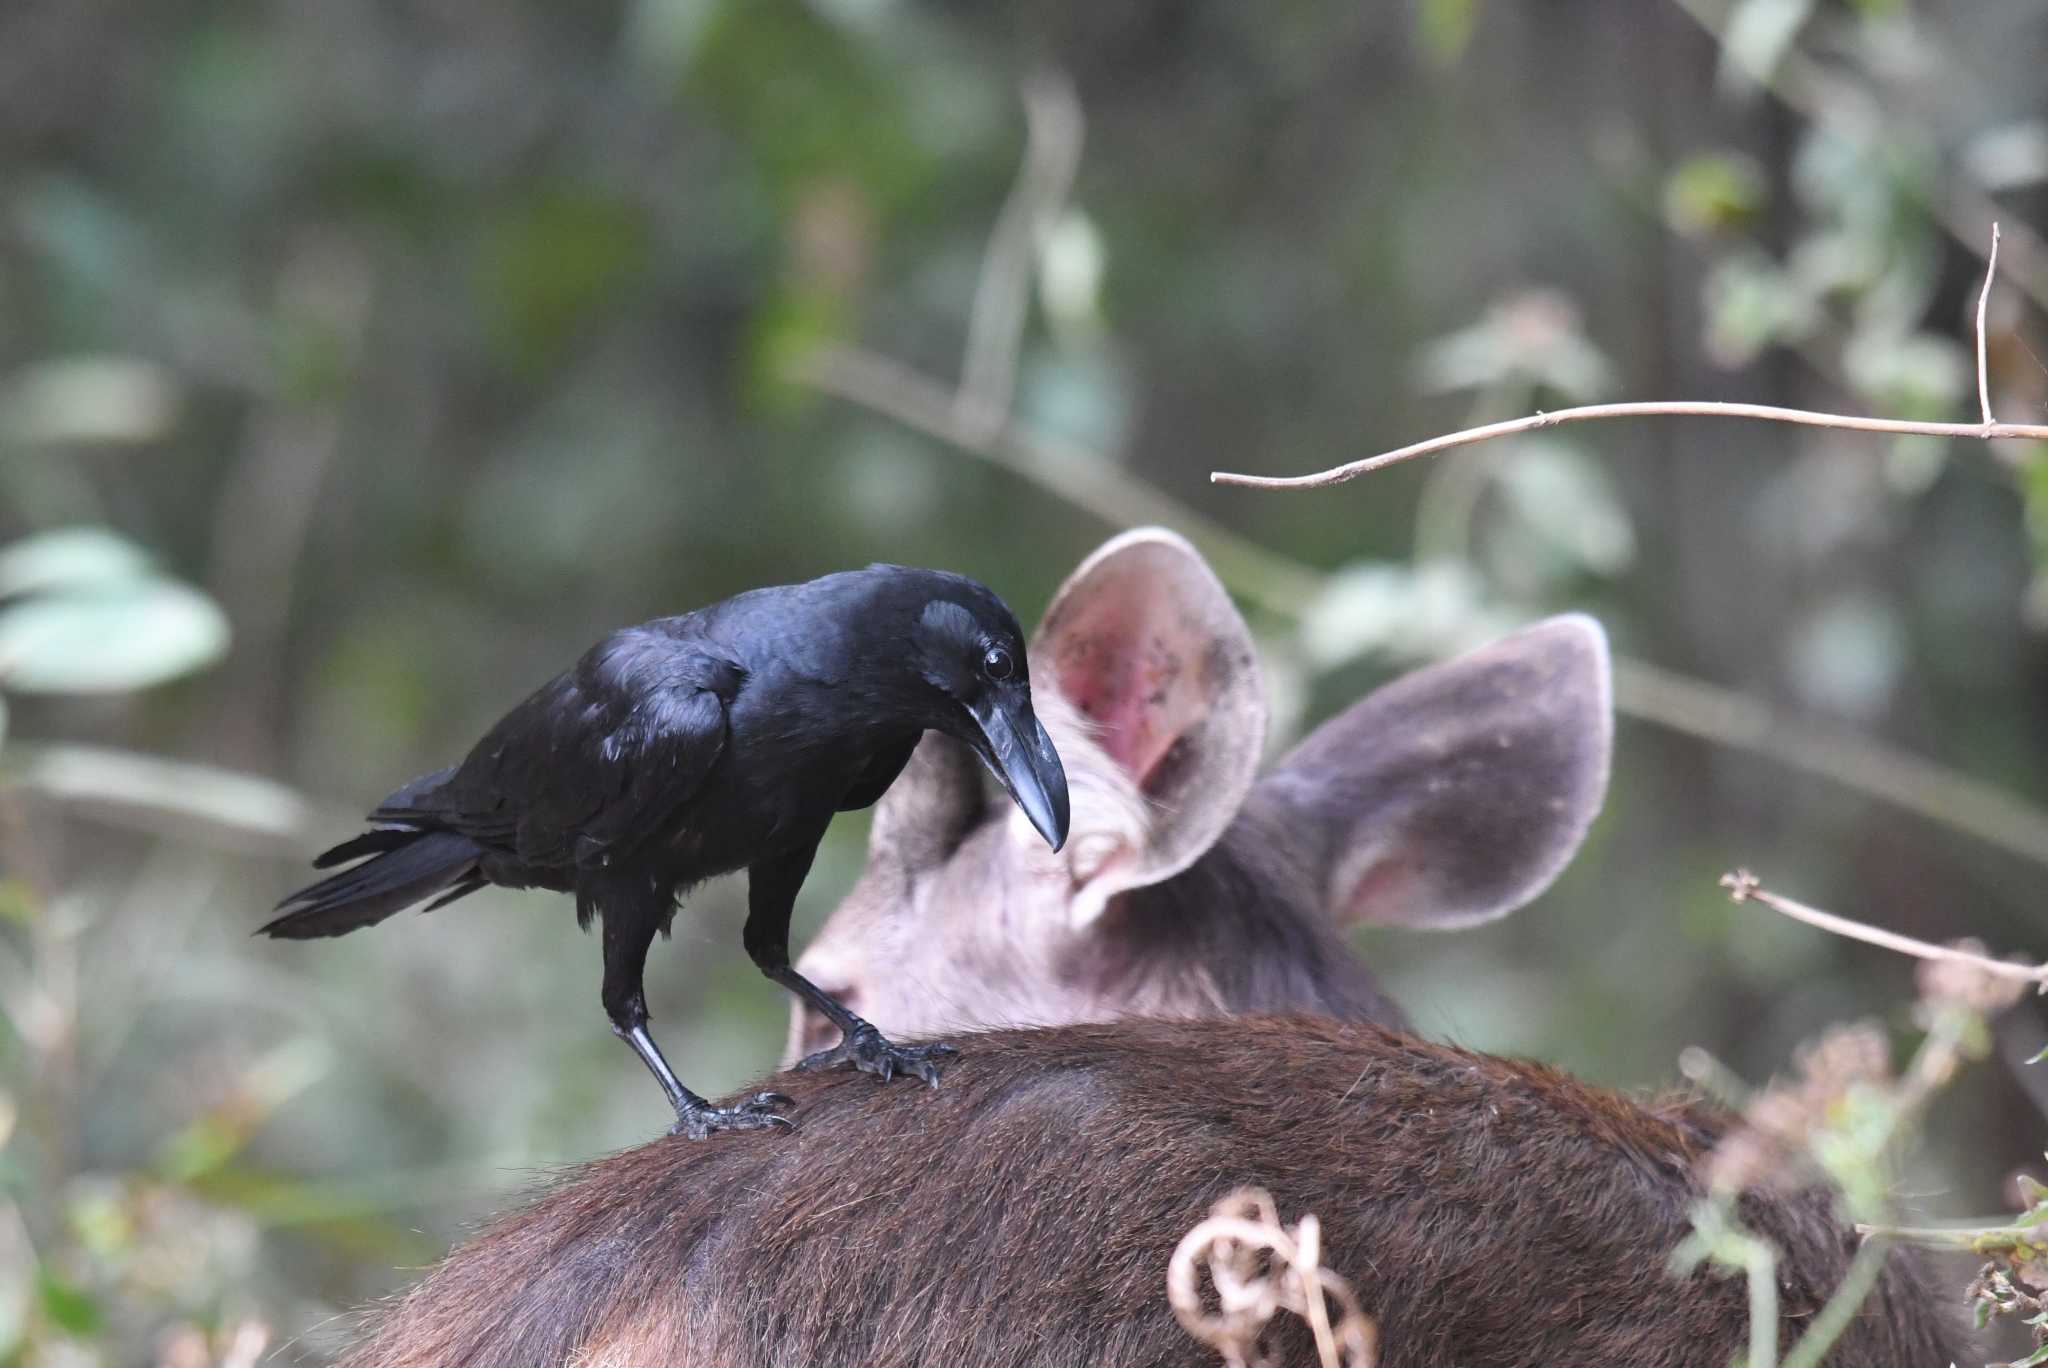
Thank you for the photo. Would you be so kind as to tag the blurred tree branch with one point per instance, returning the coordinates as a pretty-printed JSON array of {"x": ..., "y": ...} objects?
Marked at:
[
  {"x": 168, "y": 797},
  {"x": 995, "y": 328}
]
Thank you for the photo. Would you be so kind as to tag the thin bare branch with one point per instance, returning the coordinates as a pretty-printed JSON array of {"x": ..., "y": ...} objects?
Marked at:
[
  {"x": 1641, "y": 409},
  {"x": 1285, "y": 587},
  {"x": 1856, "y": 762},
  {"x": 1983, "y": 353},
  {"x": 995, "y": 329},
  {"x": 153, "y": 794},
  {"x": 1744, "y": 886}
]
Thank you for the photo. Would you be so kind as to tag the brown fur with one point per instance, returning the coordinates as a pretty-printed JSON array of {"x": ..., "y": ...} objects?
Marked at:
[{"x": 1489, "y": 1212}]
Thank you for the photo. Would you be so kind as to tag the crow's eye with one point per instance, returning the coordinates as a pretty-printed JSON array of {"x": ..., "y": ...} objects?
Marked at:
[{"x": 998, "y": 664}]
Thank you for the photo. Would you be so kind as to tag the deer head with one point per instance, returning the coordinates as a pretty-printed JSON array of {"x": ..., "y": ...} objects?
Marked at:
[{"x": 1189, "y": 885}]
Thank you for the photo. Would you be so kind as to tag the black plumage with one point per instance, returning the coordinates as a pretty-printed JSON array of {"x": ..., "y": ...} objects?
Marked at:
[{"x": 693, "y": 746}]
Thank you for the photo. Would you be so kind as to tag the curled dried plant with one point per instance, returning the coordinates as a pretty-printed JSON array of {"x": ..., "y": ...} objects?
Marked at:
[
  {"x": 1258, "y": 1268},
  {"x": 2002, "y": 1290}
]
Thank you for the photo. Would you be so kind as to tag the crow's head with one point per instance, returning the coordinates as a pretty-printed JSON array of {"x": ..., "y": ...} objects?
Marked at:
[{"x": 965, "y": 644}]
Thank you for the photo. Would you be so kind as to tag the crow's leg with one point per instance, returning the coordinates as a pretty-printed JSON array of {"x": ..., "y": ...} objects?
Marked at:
[
  {"x": 771, "y": 894},
  {"x": 627, "y": 934}
]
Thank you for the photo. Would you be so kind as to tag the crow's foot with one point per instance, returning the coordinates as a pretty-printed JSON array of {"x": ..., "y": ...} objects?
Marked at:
[
  {"x": 755, "y": 1113},
  {"x": 867, "y": 1050}
]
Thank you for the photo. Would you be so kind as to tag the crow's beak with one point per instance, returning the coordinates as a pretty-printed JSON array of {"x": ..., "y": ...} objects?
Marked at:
[{"x": 1017, "y": 751}]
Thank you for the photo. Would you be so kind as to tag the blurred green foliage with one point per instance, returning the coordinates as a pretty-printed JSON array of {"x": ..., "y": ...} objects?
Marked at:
[{"x": 421, "y": 345}]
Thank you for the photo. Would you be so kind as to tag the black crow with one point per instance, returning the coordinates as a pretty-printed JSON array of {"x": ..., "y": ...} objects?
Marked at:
[{"x": 693, "y": 746}]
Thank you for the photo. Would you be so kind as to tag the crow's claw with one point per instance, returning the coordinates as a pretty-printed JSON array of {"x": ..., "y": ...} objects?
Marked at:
[
  {"x": 754, "y": 1113},
  {"x": 867, "y": 1050}
]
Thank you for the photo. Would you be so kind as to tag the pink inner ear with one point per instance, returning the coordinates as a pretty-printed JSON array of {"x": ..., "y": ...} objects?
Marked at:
[
  {"x": 1383, "y": 893},
  {"x": 1137, "y": 672}
]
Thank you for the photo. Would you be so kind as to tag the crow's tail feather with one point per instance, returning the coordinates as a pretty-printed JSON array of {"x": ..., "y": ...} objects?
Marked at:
[
  {"x": 375, "y": 842},
  {"x": 405, "y": 866}
]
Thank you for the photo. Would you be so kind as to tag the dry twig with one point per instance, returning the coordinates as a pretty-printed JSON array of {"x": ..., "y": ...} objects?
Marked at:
[
  {"x": 1259, "y": 1268},
  {"x": 1638, "y": 409},
  {"x": 1983, "y": 302},
  {"x": 1744, "y": 886},
  {"x": 1988, "y": 430}
]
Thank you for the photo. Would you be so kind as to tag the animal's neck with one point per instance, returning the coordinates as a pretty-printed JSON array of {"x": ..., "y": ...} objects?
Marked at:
[{"x": 1240, "y": 931}]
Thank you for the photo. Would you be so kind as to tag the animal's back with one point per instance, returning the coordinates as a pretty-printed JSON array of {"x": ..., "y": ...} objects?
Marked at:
[{"x": 1488, "y": 1212}]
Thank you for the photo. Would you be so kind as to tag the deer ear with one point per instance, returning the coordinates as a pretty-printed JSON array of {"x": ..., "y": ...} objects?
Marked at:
[
  {"x": 933, "y": 804},
  {"x": 1144, "y": 642},
  {"x": 1456, "y": 794}
]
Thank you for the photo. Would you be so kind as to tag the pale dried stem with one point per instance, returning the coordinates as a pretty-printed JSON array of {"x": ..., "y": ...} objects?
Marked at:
[
  {"x": 1983, "y": 301},
  {"x": 1859, "y": 763},
  {"x": 1988, "y": 430},
  {"x": 1679, "y": 408},
  {"x": 1743, "y": 886}
]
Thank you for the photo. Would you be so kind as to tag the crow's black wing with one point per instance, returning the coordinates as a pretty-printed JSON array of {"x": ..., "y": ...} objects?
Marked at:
[
  {"x": 596, "y": 761},
  {"x": 881, "y": 772}
]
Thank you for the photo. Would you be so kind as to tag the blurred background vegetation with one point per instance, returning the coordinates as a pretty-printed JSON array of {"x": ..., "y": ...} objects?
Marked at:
[{"x": 361, "y": 363}]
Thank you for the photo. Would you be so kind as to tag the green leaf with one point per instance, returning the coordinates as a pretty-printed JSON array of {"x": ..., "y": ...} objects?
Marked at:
[
  {"x": 18, "y": 904},
  {"x": 1565, "y": 499},
  {"x": 1531, "y": 337},
  {"x": 109, "y": 639},
  {"x": 2039, "y": 1356},
  {"x": 1757, "y": 37},
  {"x": 1917, "y": 376},
  {"x": 67, "y": 557},
  {"x": 1714, "y": 192},
  {"x": 1379, "y": 608},
  {"x": 810, "y": 101},
  {"x": 1444, "y": 29},
  {"x": 2009, "y": 157},
  {"x": 2039, "y": 1057},
  {"x": 71, "y": 1309},
  {"x": 1751, "y": 302},
  {"x": 552, "y": 264},
  {"x": 786, "y": 329}
]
